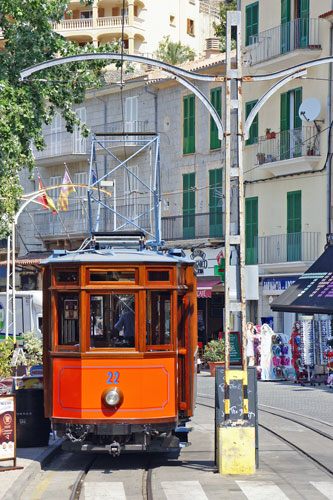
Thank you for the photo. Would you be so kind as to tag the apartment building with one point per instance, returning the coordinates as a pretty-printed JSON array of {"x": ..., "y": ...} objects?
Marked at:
[{"x": 287, "y": 214}]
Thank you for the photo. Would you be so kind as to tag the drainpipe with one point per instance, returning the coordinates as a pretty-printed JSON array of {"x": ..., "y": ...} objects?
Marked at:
[{"x": 105, "y": 158}]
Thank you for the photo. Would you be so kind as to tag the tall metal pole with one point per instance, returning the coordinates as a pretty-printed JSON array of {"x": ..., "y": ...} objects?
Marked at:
[
  {"x": 13, "y": 283},
  {"x": 8, "y": 309}
]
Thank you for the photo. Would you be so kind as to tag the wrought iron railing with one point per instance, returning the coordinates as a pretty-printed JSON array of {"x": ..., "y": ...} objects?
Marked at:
[
  {"x": 192, "y": 226},
  {"x": 296, "y": 34},
  {"x": 289, "y": 247},
  {"x": 288, "y": 144}
]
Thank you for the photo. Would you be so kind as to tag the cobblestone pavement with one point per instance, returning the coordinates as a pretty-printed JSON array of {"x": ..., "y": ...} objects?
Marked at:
[{"x": 310, "y": 401}]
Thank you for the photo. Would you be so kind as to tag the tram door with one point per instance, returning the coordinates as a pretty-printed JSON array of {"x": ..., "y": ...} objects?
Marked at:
[{"x": 183, "y": 315}]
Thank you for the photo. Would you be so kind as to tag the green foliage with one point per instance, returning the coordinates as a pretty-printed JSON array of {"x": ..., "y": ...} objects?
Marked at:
[
  {"x": 26, "y": 106},
  {"x": 221, "y": 27},
  {"x": 173, "y": 52},
  {"x": 32, "y": 348},
  {"x": 214, "y": 350},
  {"x": 6, "y": 354}
]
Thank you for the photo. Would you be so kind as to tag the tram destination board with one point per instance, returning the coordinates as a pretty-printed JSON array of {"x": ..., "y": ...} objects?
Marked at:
[{"x": 313, "y": 291}]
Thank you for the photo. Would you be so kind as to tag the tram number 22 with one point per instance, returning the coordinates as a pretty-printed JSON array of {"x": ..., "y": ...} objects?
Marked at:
[{"x": 113, "y": 378}]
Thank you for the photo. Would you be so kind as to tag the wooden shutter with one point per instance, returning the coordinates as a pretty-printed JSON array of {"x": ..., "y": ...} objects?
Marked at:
[
  {"x": 115, "y": 11},
  {"x": 285, "y": 26},
  {"x": 252, "y": 21},
  {"x": 254, "y": 129},
  {"x": 215, "y": 203},
  {"x": 189, "y": 124},
  {"x": 135, "y": 10},
  {"x": 188, "y": 205},
  {"x": 297, "y": 103},
  {"x": 284, "y": 125},
  {"x": 294, "y": 226},
  {"x": 304, "y": 28},
  {"x": 76, "y": 14},
  {"x": 216, "y": 100},
  {"x": 251, "y": 230},
  {"x": 100, "y": 12}
]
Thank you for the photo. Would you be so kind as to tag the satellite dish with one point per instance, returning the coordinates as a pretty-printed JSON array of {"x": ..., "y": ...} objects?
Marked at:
[{"x": 309, "y": 109}]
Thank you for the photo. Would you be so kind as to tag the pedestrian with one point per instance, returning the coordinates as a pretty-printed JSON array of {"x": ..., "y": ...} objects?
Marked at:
[
  {"x": 126, "y": 323},
  {"x": 250, "y": 343}
]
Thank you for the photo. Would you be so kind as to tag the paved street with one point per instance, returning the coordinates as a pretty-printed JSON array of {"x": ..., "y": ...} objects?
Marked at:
[{"x": 315, "y": 402}]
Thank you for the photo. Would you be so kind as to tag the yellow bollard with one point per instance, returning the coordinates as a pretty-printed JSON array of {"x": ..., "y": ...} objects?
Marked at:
[{"x": 236, "y": 448}]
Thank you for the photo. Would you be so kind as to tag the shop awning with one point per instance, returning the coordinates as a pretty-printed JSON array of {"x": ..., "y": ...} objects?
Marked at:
[
  {"x": 204, "y": 288},
  {"x": 313, "y": 291}
]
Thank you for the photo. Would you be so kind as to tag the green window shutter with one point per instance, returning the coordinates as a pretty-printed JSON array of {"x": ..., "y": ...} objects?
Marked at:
[
  {"x": 297, "y": 103},
  {"x": 189, "y": 124},
  {"x": 188, "y": 205},
  {"x": 215, "y": 203},
  {"x": 254, "y": 129},
  {"x": 216, "y": 101},
  {"x": 285, "y": 26},
  {"x": 251, "y": 230},
  {"x": 252, "y": 21},
  {"x": 294, "y": 225},
  {"x": 284, "y": 126},
  {"x": 304, "y": 28}
]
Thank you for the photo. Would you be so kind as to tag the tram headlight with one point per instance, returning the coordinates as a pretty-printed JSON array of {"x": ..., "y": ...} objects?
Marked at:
[{"x": 112, "y": 397}]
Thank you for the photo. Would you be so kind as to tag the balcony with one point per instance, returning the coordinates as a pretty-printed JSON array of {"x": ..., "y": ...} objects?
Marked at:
[
  {"x": 282, "y": 248},
  {"x": 100, "y": 23},
  {"x": 194, "y": 226},
  {"x": 299, "y": 35},
  {"x": 63, "y": 146},
  {"x": 288, "y": 152}
]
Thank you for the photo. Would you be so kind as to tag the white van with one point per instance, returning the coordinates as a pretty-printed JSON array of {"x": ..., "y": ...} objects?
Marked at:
[{"x": 29, "y": 313}]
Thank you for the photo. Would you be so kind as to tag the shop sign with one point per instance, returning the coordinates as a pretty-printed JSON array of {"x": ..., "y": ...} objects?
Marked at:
[
  {"x": 7, "y": 429},
  {"x": 275, "y": 286},
  {"x": 201, "y": 262}
]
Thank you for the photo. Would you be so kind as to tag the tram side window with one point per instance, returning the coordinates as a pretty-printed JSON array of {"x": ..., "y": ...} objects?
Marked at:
[
  {"x": 158, "y": 318},
  {"x": 112, "y": 320},
  {"x": 68, "y": 330}
]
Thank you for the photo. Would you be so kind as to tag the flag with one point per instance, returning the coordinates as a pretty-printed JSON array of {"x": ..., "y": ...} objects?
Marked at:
[
  {"x": 46, "y": 200},
  {"x": 66, "y": 190}
]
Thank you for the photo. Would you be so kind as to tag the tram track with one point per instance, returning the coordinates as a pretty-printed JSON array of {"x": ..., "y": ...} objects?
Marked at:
[{"x": 321, "y": 441}]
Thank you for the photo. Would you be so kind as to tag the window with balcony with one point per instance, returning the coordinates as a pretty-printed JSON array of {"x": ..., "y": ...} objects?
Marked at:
[
  {"x": 251, "y": 230},
  {"x": 55, "y": 180},
  {"x": 131, "y": 114},
  {"x": 294, "y": 34},
  {"x": 80, "y": 142},
  {"x": 56, "y": 135},
  {"x": 290, "y": 124},
  {"x": 189, "y": 124},
  {"x": 294, "y": 226},
  {"x": 215, "y": 203},
  {"x": 216, "y": 100},
  {"x": 86, "y": 14},
  {"x": 252, "y": 22},
  {"x": 253, "y": 132},
  {"x": 189, "y": 205}
]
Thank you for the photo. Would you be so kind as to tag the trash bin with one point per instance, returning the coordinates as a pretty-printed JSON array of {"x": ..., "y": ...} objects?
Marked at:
[{"x": 32, "y": 428}]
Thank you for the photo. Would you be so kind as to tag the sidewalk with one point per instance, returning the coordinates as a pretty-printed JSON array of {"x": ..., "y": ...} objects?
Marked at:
[{"x": 32, "y": 460}]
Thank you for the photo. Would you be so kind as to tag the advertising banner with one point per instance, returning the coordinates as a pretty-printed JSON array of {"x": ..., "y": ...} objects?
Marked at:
[{"x": 7, "y": 428}]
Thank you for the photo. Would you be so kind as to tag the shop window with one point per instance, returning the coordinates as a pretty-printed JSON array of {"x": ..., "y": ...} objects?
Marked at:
[
  {"x": 68, "y": 325},
  {"x": 158, "y": 321},
  {"x": 112, "y": 320}
]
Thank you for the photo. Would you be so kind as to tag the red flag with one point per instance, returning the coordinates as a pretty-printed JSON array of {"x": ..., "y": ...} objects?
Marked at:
[{"x": 46, "y": 200}]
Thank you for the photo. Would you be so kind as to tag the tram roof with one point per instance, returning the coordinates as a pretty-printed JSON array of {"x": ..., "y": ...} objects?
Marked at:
[{"x": 115, "y": 256}]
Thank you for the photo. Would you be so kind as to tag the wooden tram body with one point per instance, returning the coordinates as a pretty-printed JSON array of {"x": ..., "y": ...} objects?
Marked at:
[{"x": 106, "y": 388}]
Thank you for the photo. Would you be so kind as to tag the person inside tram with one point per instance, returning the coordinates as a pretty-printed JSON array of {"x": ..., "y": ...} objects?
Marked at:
[{"x": 126, "y": 323}]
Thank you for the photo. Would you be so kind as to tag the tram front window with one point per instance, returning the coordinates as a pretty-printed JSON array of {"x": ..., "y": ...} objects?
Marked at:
[
  {"x": 112, "y": 320},
  {"x": 158, "y": 318}
]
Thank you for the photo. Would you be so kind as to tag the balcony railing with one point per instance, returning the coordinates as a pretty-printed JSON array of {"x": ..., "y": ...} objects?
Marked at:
[
  {"x": 280, "y": 248},
  {"x": 62, "y": 143},
  {"x": 296, "y": 34},
  {"x": 193, "y": 226},
  {"x": 111, "y": 22},
  {"x": 288, "y": 144}
]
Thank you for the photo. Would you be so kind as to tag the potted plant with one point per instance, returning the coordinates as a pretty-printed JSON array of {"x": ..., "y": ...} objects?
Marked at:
[
  {"x": 270, "y": 134},
  {"x": 261, "y": 158},
  {"x": 214, "y": 354},
  {"x": 310, "y": 150}
]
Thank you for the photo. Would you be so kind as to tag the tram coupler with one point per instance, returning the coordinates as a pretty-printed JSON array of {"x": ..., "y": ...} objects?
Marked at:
[{"x": 113, "y": 449}]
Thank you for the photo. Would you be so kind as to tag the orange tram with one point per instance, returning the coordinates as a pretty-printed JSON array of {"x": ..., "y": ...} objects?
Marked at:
[{"x": 120, "y": 346}]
